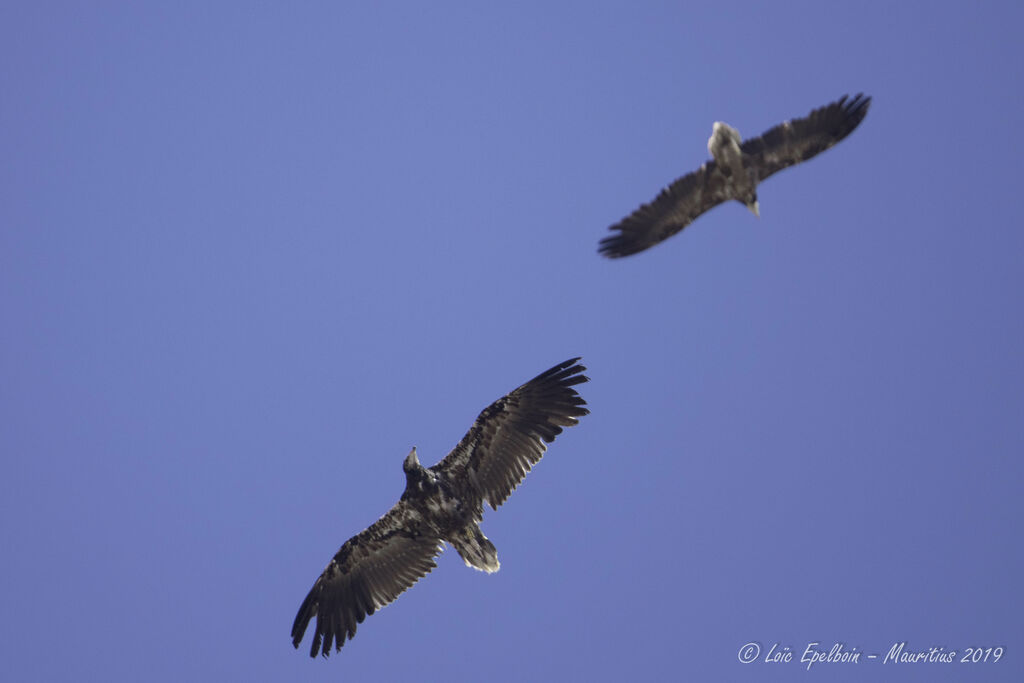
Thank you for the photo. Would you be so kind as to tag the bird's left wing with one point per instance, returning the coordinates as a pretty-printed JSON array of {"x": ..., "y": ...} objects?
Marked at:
[
  {"x": 509, "y": 436},
  {"x": 800, "y": 139}
]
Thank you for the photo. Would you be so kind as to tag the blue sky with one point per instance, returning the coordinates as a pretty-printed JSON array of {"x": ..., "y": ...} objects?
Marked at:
[{"x": 251, "y": 253}]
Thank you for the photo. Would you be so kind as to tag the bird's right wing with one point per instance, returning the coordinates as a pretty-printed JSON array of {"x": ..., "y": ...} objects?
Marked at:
[
  {"x": 672, "y": 210},
  {"x": 371, "y": 570}
]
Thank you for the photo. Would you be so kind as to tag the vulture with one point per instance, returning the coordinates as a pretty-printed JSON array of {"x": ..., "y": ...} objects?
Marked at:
[
  {"x": 736, "y": 169},
  {"x": 443, "y": 503}
]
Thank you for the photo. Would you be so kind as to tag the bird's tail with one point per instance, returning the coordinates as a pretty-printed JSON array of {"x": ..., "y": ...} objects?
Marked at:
[{"x": 475, "y": 549}]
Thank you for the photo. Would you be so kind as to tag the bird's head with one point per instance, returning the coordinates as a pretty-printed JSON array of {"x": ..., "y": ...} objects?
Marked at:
[{"x": 412, "y": 463}]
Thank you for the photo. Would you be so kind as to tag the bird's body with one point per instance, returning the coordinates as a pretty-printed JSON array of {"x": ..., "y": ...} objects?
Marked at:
[
  {"x": 740, "y": 180},
  {"x": 442, "y": 503},
  {"x": 450, "y": 516},
  {"x": 735, "y": 171}
]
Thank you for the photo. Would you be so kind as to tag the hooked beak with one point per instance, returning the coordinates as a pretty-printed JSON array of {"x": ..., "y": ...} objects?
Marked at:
[
  {"x": 755, "y": 209},
  {"x": 411, "y": 460}
]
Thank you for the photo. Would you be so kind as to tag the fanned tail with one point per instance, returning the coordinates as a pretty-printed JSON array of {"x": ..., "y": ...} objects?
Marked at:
[{"x": 476, "y": 550}]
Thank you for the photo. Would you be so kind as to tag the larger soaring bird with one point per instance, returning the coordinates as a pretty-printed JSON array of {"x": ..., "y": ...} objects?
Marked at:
[
  {"x": 442, "y": 503},
  {"x": 734, "y": 174}
]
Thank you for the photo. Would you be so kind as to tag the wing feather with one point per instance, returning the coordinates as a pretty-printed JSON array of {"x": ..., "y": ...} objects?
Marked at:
[
  {"x": 673, "y": 209},
  {"x": 509, "y": 437},
  {"x": 798, "y": 140},
  {"x": 368, "y": 572}
]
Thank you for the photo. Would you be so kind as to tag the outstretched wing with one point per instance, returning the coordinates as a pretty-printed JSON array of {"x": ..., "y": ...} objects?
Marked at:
[
  {"x": 800, "y": 139},
  {"x": 673, "y": 209},
  {"x": 509, "y": 436},
  {"x": 370, "y": 571}
]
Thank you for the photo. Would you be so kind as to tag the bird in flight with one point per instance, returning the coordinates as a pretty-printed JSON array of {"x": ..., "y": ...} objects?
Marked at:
[
  {"x": 735, "y": 171},
  {"x": 443, "y": 503}
]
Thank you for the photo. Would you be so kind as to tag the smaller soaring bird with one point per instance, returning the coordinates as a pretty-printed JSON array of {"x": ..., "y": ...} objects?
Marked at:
[
  {"x": 735, "y": 173},
  {"x": 443, "y": 503}
]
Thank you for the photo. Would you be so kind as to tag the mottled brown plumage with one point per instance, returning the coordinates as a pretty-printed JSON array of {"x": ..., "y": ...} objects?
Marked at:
[
  {"x": 734, "y": 173},
  {"x": 443, "y": 503}
]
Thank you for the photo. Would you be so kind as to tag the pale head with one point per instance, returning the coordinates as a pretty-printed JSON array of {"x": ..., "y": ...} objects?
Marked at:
[{"x": 722, "y": 134}]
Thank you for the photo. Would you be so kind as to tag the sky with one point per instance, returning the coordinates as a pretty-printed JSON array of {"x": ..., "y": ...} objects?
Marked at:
[{"x": 252, "y": 253}]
